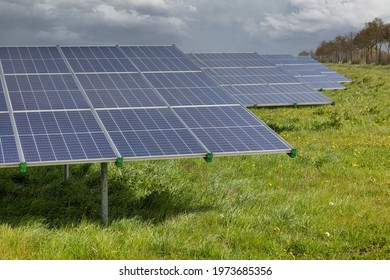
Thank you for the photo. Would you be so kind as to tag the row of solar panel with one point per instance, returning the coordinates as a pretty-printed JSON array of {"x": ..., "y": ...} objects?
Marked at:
[
  {"x": 63, "y": 136},
  {"x": 62, "y": 116},
  {"x": 305, "y": 69},
  {"x": 121, "y": 90},
  {"x": 31, "y": 60}
]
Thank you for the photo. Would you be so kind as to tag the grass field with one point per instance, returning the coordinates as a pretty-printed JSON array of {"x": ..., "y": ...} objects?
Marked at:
[{"x": 331, "y": 202}]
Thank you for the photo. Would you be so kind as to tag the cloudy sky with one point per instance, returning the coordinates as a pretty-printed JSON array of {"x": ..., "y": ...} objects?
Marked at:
[{"x": 265, "y": 26}]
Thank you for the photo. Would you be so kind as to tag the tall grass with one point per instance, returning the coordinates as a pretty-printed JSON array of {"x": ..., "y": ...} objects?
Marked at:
[{"x": 331, "y": 202}]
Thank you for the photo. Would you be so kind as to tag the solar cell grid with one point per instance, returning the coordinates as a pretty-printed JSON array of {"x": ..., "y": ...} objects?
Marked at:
[
  {"x": 119, "y": 90},
  {"x": 164, "y": 64},
  {"x": 61, "y": 136},
  {"x": 3, "y": 104},
  {"x": 195, "y": 88},
  {"x": 334, "y": 76},
  {"x": 231, "y": 129},
  {"x": 97, "y": 60},
  {"x": 19, "y": 60},
  {"x": 320, "y": 82},
  {"x": 152, "y": 52},
  {"x": 149, "y": 133},
  {"x": 8, "y": 150},
  {"x": 44, "y": 92}
]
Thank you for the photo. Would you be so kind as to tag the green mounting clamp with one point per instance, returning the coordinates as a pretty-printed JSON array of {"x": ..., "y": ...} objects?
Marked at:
[
  {"x": 293, "y": 153},
  {"x": 23, "y": 167},
  {"x": 119, "y": 162},
  {"x": 295, "y": 105},
  {"x": 255, "y": 106},
  {"x": 333, "y": 103},
  {"x": 209, "y": 157}
]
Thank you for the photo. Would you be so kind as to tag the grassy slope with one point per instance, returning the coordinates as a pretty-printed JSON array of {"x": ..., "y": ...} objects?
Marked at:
[{"x": 331, "y": 202}]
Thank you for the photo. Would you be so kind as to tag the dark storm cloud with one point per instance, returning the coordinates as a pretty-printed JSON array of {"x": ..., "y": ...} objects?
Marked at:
[{"x": 194, "y": 25}]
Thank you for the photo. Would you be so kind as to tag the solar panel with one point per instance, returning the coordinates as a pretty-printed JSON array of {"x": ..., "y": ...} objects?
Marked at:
[
  {"x": 258, "y": 85},
  {"x": 269, "y": 95},
  {"x": 8, "y": 149},
  {"x": 44, "y": 92},
  {"x": 320, "y": 82},
  {"x": 119, "y": 90},
  {"x": 97, "y": 60},
  {"x": 334, "y": 76},
  {"x": 3, "y": 104},
  {"x": 231, "y": 129},
  {"x": 157, "y": 59},
  {"x": 195, "y": 88},
  {"x": 96, "y": 104},
  {"x": 313, "y": 73},
  {"x": 60, "y": 136},
  {"x": 154, "y": 132},
  {"x": 30, "y": 60},
  {"x": 152, "y": 52}
]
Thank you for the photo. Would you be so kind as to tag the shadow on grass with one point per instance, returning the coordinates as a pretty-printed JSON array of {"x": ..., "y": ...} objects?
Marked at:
[{"x": 40, "y": 195}]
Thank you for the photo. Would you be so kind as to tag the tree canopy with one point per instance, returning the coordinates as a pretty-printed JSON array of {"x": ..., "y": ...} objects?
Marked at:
[{"x": 370, "y": 45}]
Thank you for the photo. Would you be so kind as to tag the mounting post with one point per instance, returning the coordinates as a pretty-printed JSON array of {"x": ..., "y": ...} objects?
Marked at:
[
  {"x": 66, "y": 172},
  {"x": 104, "y": 191}
]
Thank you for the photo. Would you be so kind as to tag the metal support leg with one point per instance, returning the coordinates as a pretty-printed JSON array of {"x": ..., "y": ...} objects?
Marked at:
[
  {"x": 104, "y": 191},
  {"x": 66, "y": 172}
]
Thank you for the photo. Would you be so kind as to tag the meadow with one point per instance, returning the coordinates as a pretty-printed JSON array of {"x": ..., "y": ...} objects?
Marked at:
[{"x": 330, "y": 202}]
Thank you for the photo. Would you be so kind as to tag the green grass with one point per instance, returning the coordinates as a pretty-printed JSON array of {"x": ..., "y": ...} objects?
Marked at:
[{"x": 331, "y": 202}]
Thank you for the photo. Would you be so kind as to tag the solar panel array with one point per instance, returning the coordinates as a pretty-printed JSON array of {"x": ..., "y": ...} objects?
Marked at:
[
  {"x": 61, "y": 105},
  {"x": 255, "y": 80},
  {"x": 309, "y": 71}
]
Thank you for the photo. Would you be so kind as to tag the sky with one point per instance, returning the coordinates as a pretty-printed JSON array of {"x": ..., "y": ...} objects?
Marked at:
[{"x": 264, "y": 26}]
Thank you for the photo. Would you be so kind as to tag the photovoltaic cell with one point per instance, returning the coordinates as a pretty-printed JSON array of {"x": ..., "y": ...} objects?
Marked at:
[
  {"x": 152, "y": 52},
  {"x": 336, "y": 77},
  {"x": 3, "y": 104},
  {"x": 320, "y": 82},
  {"x": 231, "y": 129},
  {"x": 149, "y": 133},
  {"x": 29, "y": 60},
  {"x": 61, "y": 136},
  {"x": 193, "y": 88},
  {"x": 159, "y": 59},
  {"x": 260, "y": 86},
  {"x": 44, "y": 92},
  {"x": 269, "y": 95},
  {"x": 97, "y": 60},
  {"x": 8, "y": 150},
  {"x": 119, "y": 90}
]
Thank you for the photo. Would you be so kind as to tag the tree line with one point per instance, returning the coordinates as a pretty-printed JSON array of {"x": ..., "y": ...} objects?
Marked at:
[{"x": 369, "y": 45}]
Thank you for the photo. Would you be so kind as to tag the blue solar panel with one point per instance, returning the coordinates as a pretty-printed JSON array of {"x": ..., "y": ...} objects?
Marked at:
[
  {"x": 223, "y": 60},
  {"x": 158, "y": 59},
  {"x": 62, "y": 136},
  {"x": 119, "y": 90},
  {"x": 152, "y": 52},
  {"x": 149, "y": 133},
  {"x": 136, "y": 94},
  {"x": 320, "y": 82},
  {"x": 231, "y": 129},
  {"x": 97, "y": 60},
  {"x": 19, "y": 60},
  {"x": 44, "y": 92},
  {"x": 261, "y": 86},
  {"x": 336, "y": 77},
  {"x": 3, "y": 104},
  {"x": 8, "y": 150},
  {"x": 276, "y": 95},
  {"x": 194, "y": 88}
]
